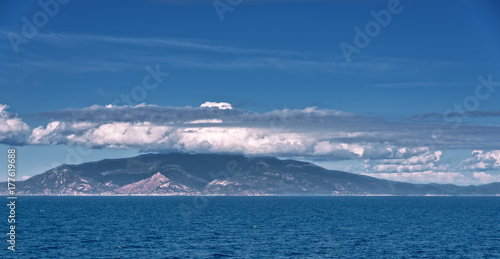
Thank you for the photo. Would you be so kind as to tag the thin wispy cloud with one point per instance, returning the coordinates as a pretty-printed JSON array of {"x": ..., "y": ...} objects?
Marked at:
[
  {"x": 188, "y": 44},
  {"x": 463, "y": 114},
  {"x": 78, "y": 66},
  {"x": 200, "y": 55},
  {"x": 421, "y": 84}
]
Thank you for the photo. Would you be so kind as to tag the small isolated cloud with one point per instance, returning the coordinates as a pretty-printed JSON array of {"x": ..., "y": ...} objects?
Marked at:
[
  {"x": 221, "y": 105},
  {"x": 12, "y": 129}
]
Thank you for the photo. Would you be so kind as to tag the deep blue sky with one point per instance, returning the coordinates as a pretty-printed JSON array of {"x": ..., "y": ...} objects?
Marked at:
[
  {"x": 448, "y": 43},
  {"x": 264, "y": 55}
]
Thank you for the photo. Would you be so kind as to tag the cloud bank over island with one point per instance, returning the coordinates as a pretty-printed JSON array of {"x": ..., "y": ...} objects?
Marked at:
[{"x": 405, "y": 151}]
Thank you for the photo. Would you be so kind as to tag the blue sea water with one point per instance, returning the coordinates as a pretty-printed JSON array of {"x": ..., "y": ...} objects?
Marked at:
[{"x": 256, "y": 227}]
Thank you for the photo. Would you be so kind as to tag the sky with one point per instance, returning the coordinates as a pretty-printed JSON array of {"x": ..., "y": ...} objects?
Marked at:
[{"x": 401, "y": 90}]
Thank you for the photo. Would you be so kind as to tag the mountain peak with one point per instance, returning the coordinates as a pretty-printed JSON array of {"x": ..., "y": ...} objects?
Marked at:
[{"x": 159, "y": 177}]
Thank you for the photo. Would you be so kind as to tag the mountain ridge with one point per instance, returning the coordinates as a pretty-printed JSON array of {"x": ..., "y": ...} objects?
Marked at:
[{"x": 221, "y": 174}]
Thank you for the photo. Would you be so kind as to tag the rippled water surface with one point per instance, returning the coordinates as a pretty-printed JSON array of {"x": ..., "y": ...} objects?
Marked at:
[{"x": 256, "y": 227}]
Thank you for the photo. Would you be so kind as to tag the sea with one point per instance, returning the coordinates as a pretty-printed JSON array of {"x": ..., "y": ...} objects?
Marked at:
[{"x": 254, "y": 227}]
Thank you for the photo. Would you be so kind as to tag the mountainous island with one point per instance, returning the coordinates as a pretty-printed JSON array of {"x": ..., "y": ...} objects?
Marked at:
[{"x": 221, "y": 174}]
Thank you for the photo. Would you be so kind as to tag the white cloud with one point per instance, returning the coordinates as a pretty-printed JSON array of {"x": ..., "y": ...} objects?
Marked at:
[
  {"x": 12, "y": 128},
  {"x": 327, "y": 148},
  {"x": 407, "y": 160},
  {"x": 240, "y": 140},
  {"x": 201, "y": 139},
  {"x": 410, "y": 152},
  {"x": 421, "y": 165},
  {"x": 282, "y": 132},
  {"x": 312, "y": 132},
  {"x": 122, "y": 135},
  {"x": 377, "y": 138},
  {"x": 415, "y": 165},
  {"x": 204, "y": 121},
  {"x": 41, "y": 135},
  {"x": 221, "y": 105},
  {"x": 482, "y": 160}
]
